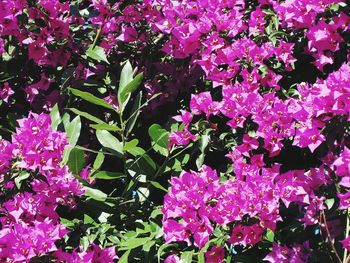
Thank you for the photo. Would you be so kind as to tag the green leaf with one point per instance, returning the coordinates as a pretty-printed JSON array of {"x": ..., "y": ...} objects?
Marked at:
[
  {"x": 270, "y": 236},
  {"x": 136, "y": 151},
  {"x": 276, "y": 33},
  {"x": 275, "y": 21},
  {"x": 156, "y": 212},
  {"x": 135, "y": 112},
  {"x": 97, "y": 53},
  {"x": 95, "y": 194},
  {"x": 124, "y": 92},
  {"x": 158, "y": 186},
  {"x": 100, "y": 157},
  {"x": 84, "y": 242},
  {"x": 142, "y": 165},
  {"x": 201, "y": 258},
  {"x": 160, "y": 137},
  {"x": 73, "y": 131},
  {"x": 20, "y": 178},
  {"x": 105, "y": 126},
  {"x": 161, "y": 250},
  {"x": 76, "y": 161},
  {"x": 124, "y": 258},
  {"x": 93, "y": 151},
  {"x": 92, "y": 238},
  {"x": 87, "y": 116},
  {"x": 330, "y": 202},
  {"x": 133, "y": 243},
  {"x": 113, "y": 239},
  {"x": 127, "y": 84},
  {"x": 88, "y": 219},
  {"x": 91, "y": 98},
  {"x": 187, "y": 256},
  {"x": 66, "y": 121},
  {"x": 204, "y": 140},
  {"x": 109, "y": 141},
  {"x": 142, "y": 193},
  {"x": 131, "y": 144},
  {"x": 126, "y": 77},
  {"x": 131, "y": 147},
  {"x": 65, "y": 156},
  {"x": 108, "y": 175},
  {"x": 55, "y": 117},
  {"x": 147, "y": 246}
]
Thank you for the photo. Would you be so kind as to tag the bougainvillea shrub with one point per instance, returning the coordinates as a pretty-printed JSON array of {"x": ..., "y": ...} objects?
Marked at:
[{"x": 174, "y": 131}]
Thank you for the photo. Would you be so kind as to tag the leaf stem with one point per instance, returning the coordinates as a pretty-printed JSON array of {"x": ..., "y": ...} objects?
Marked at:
[
  {"x": 96, "y": 37},
  {"x": 121, "y": 133}
]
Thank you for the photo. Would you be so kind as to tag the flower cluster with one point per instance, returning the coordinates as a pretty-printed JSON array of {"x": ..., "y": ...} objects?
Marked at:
[
  {"x": 93, "y": 254},
  {"x": 299, "y": 253},
  {"x": 197, "y": 202},
  {"x": 30, "y": 222},
  {"x": 48, "y": 39},
  {"x": 240, "y": 66},
  {"x": 215, "y": 36}
]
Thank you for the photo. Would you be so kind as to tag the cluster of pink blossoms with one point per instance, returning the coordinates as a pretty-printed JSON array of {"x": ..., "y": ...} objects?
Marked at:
[
  {"x": 30, "y": 223},
  {"x": 213, "y": 34},
  {"x": 283, "y": 254},
  {"x": 231, "y": 42},
  {"x": 197, "y": 202},
  {"x": 52, "y": 36},
  {"x": 323, "y": 36}
]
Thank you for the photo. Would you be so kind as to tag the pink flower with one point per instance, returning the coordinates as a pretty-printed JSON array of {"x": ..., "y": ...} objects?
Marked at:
[
  {"x": 112, "y": 100},
  {"x": 185, "y": 118},
  {"x": 283, "y": 254},
  {"x": 238, "y": 235},
  {"x": 94, "y": 254},
  {"x": 346, "y": 243},
  {"x": 128, "y": 34},
  {"x": 107, "y": 255},
  {"x": 310, "y": 138},
  {"x": 176, "y": 232},
  {"x": 342, "y": 163},
  {"x": 6, "y": 92},
  {"x": 1, "y": 46},
  {"x": 173, "y": 259},
  {"x": 180, "y": 138},
  {"x": 204, "y": 103},
  {"x": 243, "y": 235},
  {"x": 344, "y": 200}
]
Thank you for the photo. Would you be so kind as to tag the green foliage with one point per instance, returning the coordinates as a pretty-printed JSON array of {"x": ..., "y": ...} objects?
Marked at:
[
  {"x": 110, "y": 142},
  {"x": 55, "y": 117},
  {"x": 127, "y": 85},
  {"x": 159, "y": 137},
  {"x": 97, "y": 53},
  {"x": 76, "y": 160},
  {"x": 90, "y": 98},
  {"x": 118, "y": 209}
]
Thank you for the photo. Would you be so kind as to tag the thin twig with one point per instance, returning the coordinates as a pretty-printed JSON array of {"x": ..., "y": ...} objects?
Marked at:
[
  {"x": 96, "y": 37},
  {"x": 329, "y": 236},
  {"x": 347, "y": 230}
]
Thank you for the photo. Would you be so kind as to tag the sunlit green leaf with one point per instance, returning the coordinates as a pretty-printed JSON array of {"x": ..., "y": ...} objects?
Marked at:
[
  {"x": 55, "y": 117},
  {"x": 97, "y": 53},
  {"x": 76, "y": 161},
  {"x": 91, "y": 98},
  {"x": 87, "y": 116},
  {"x": 109, "y": 141}
]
